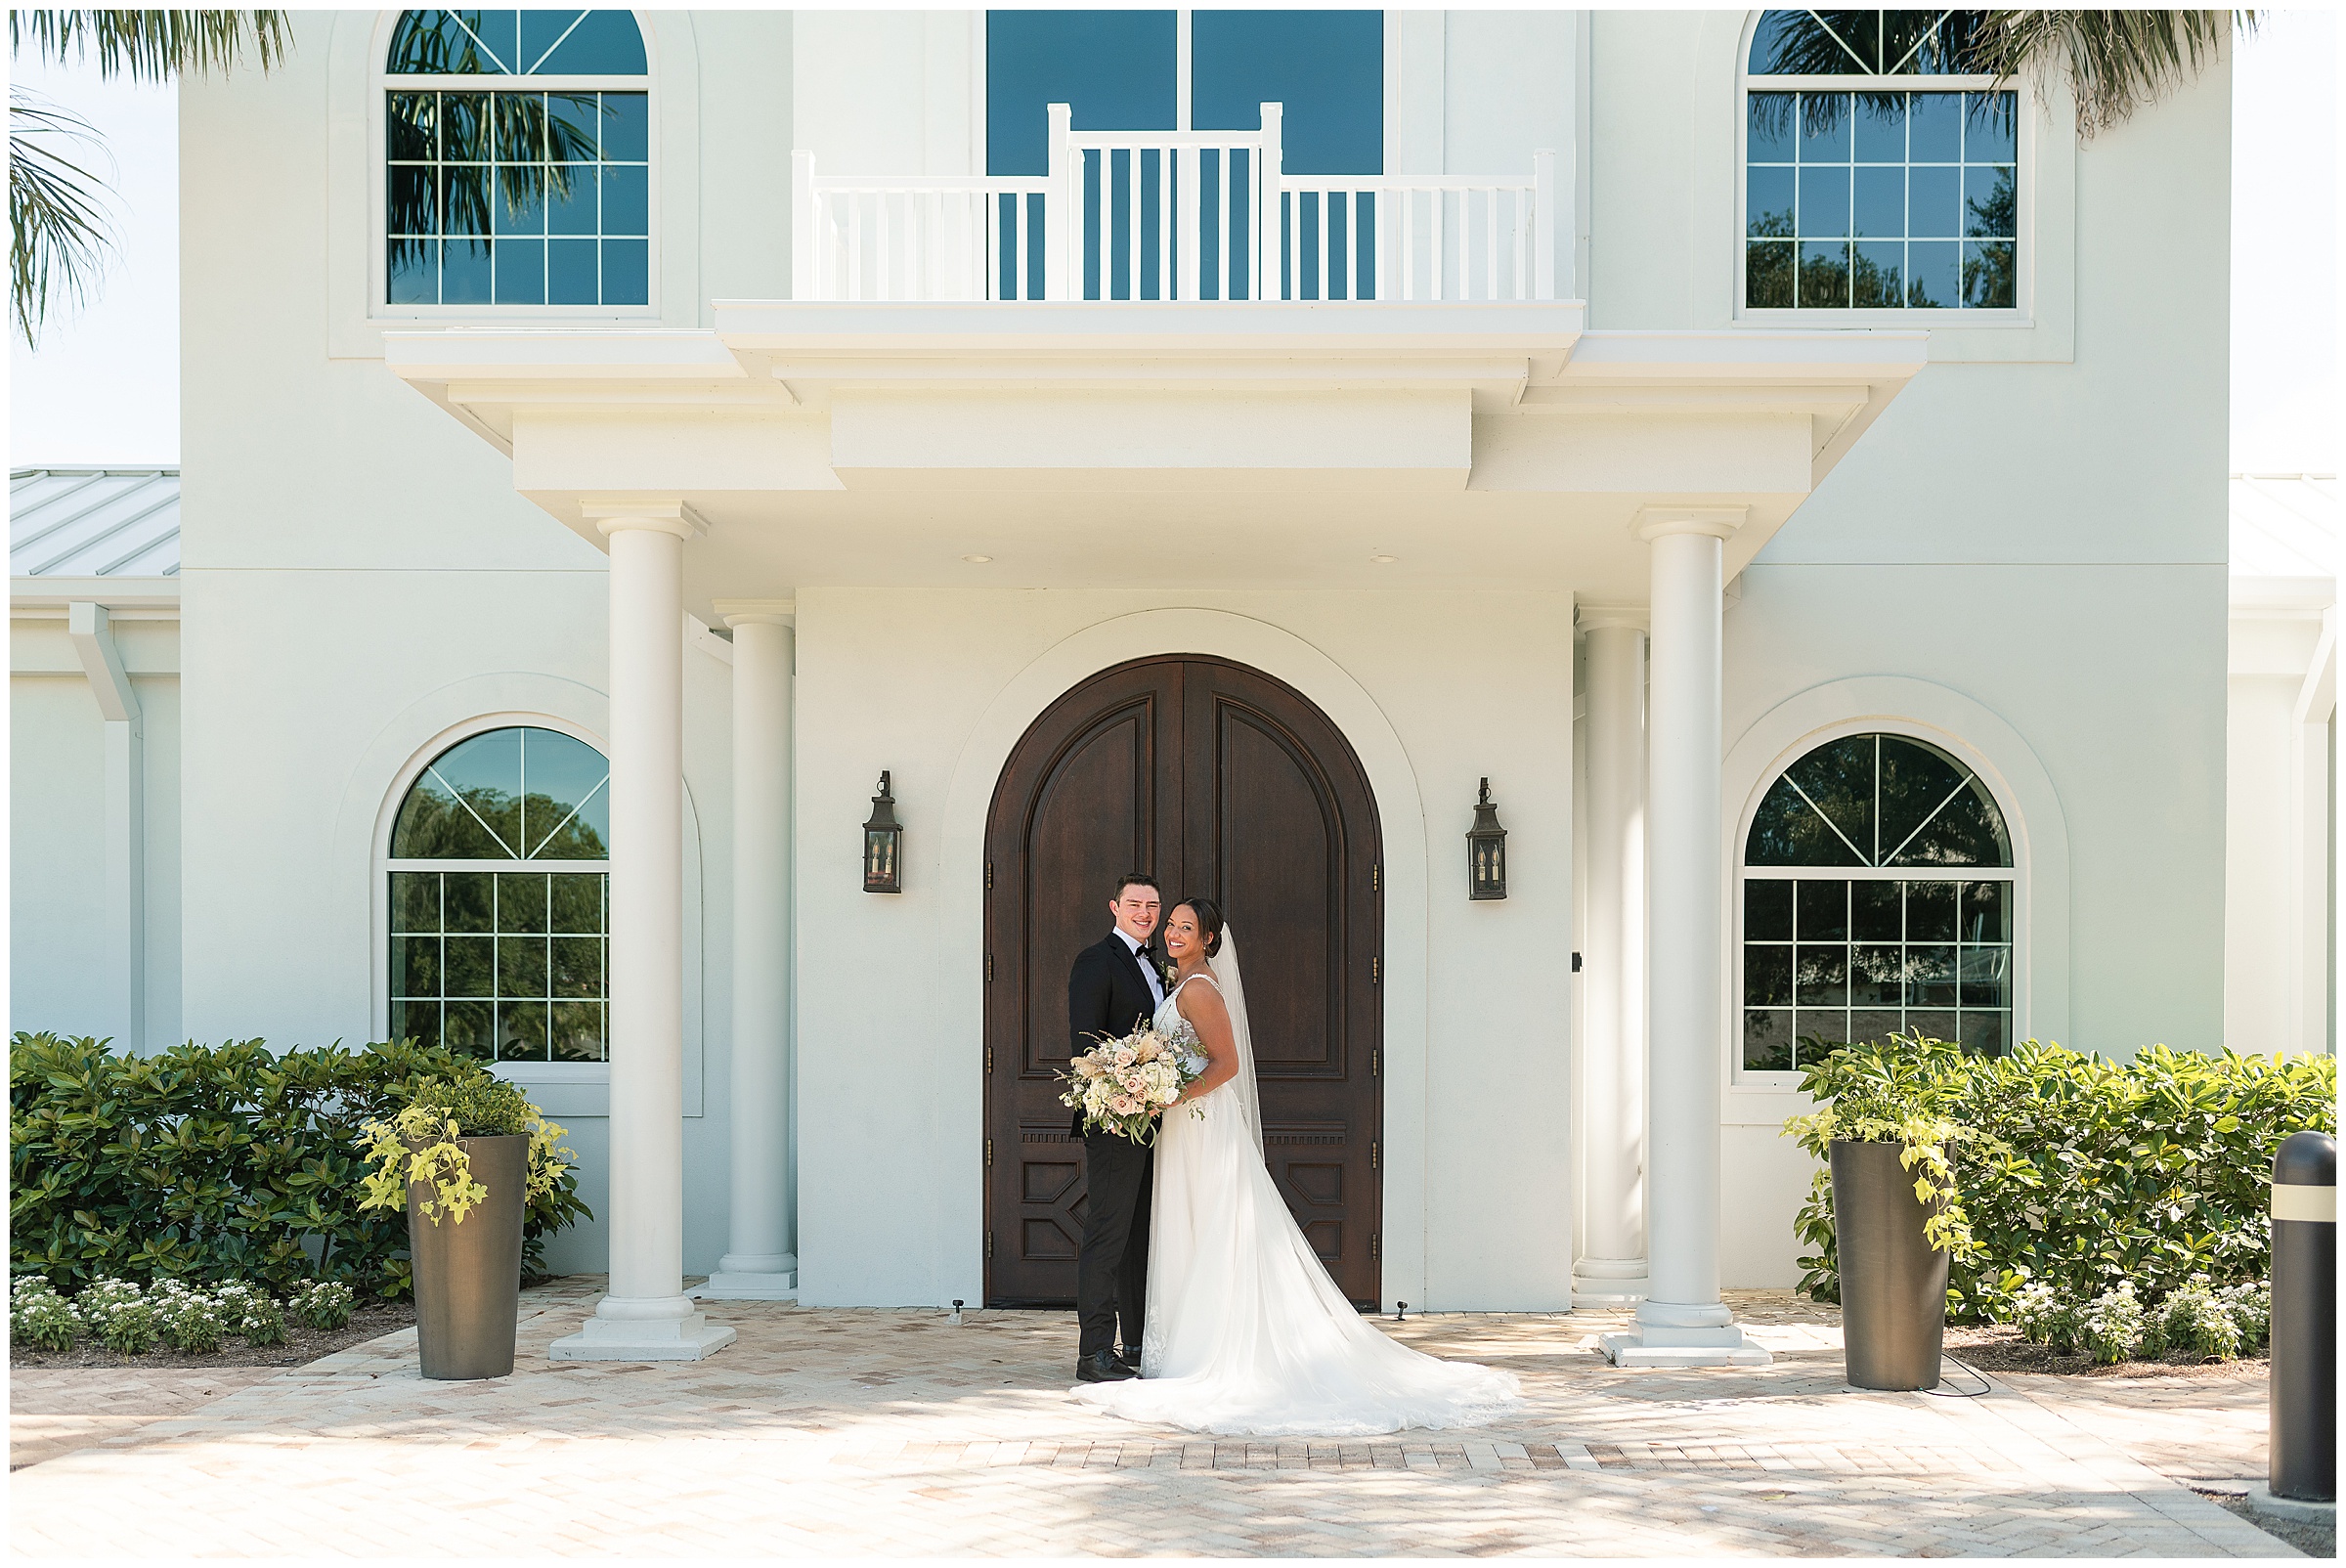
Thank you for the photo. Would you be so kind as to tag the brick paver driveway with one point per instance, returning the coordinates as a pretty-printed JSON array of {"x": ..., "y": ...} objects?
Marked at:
[{"x": 829, "y": 1432}]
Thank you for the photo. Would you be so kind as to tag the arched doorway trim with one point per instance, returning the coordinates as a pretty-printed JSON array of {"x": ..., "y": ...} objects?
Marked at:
[{"x": 1279, "y": 653}]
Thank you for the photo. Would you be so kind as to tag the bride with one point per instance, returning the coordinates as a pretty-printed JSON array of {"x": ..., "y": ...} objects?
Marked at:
[{"x": 1246, "y": 1334}]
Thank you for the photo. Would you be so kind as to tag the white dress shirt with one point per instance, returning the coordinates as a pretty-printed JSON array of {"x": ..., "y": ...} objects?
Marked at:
[{"x": 1156, "y": 984}]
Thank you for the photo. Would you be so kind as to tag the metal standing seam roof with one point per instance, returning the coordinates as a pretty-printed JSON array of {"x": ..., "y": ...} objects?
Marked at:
[
  {"x": 2284, "y": 525},
  {"x": 93, "y": 522}
]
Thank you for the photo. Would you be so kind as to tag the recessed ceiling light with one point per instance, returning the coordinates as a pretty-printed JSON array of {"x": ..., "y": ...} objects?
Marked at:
[
  {"x": 1384, "y": 560},
  {"x": 977, "y": 560}
]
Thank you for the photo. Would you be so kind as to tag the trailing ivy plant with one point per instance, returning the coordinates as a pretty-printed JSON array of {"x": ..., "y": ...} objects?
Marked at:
[
  {"x": 2082, "y": 1173},
  {"x": 212, "y": 1163},
  {"x": 1905, "y": 1097},
  {"x": 422, "y": 1145}
]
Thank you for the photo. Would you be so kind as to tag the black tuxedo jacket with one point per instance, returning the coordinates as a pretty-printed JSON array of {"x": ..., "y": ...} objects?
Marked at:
[{"x": 1108, "y": 998}]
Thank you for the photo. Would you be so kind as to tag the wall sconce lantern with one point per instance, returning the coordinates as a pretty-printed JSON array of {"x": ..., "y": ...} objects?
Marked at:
[
  {"x": 882, "y": 839},
  {"x": 1486, "y": 852}
]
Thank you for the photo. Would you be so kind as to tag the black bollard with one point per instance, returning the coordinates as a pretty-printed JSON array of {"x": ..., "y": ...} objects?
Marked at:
[{"x": 2304, "y": 1411}]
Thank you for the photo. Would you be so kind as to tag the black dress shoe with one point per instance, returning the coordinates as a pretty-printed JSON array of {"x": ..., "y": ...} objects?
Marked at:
[
  {"x": 1102, "y": 1367},
  {"x": 1131, "y": 1357}
]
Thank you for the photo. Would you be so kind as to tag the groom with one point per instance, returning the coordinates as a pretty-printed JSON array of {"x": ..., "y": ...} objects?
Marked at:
[{"x": 1115, "y": 987}]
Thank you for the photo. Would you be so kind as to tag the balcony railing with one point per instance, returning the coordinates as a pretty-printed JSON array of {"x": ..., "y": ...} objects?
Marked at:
[{"x": 1173, "y": 215}]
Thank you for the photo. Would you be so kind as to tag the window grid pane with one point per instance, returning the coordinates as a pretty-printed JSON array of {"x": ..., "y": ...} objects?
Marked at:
[
  {"x": 1863, "y": 958},
  {"x": 1880, "y": 200},
  {"x": 507, "y": 966},
  {"x": 518, "y": 199}
]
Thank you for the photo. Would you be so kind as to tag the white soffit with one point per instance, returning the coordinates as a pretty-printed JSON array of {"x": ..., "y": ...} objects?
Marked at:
[
  {"x": 2285, "y": 541},
  {"x": 106, "y": 534}
]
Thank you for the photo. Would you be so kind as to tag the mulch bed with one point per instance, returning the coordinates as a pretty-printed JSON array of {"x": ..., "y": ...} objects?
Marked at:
[
  {"x": 303, "y": 1344},
  {"x": 1999, "y": 1347}
]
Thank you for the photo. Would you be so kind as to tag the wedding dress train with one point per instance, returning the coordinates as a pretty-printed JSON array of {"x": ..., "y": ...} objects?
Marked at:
[{"x": 1246, "y": 1334}]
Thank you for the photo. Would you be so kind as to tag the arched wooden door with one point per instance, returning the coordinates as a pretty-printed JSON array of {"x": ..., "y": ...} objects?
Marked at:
[{"x": 1220, "y": 781}]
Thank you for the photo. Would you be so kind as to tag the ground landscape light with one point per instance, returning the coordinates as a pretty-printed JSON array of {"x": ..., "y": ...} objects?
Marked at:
[{"x": 977, "y": 560}]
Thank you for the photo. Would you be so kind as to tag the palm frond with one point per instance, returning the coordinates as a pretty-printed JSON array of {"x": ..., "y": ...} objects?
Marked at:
[
  {"x": 153, "y": 45},
  {"x": 2115, "y": 62},
  {"x": 59, "y": 238},
  {"x": 59, "y": 233}
]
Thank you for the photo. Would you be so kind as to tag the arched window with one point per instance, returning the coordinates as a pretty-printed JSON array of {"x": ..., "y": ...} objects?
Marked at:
[
  {"x": 488, "y": 958},
  {"x": 1877, "y": 898},
  {"x": 1876, "y": 175},
  {"x": 519, "y": 159}
]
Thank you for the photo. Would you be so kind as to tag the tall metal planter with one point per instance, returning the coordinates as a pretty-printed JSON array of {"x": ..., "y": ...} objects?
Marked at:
[
  {"x": 469, "y": 1273},
  {"x": 1893, "y": 1282}
]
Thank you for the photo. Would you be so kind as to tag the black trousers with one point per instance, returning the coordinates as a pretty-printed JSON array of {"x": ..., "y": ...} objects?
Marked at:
[{"x": 1112, "y": 1272}]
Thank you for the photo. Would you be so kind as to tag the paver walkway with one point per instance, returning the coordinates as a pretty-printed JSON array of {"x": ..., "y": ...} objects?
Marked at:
[{"x": 833, "y": 1432}]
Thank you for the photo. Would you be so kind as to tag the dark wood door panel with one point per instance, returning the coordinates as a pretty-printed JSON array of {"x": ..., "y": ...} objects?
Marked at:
[{"x": 1220, "y": 780}]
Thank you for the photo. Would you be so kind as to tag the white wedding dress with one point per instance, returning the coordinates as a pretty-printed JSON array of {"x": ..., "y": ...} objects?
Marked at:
[{"x": 1246, "y": 1334}]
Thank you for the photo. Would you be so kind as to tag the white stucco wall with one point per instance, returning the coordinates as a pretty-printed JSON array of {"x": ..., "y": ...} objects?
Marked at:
[
  {"x": 890, "y": 1081},
  {"x": 57, "y": 825}
]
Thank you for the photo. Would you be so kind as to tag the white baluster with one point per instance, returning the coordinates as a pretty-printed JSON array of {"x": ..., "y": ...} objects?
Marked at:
[
  {"x": 1491, "y": 243},
  {"x": 805, "y": 225},
  {"x": 1274, "y": 167},
  {"x": 1062, "y": 214},
  {"x": 1192, "y": 212},
  {"x": 1543, "y": 214}
]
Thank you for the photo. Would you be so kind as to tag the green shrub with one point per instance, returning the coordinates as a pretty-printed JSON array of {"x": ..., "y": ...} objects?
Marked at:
[
  {"x": 39, "y": 1316},
  {"x": 324, "y": 1304},
  {"x": 118, "y": 1314},
  {"x": 189, "y": 1320},
  {"x": 219, "y": 1164},
  {"x": 2084, "y": 1173}
]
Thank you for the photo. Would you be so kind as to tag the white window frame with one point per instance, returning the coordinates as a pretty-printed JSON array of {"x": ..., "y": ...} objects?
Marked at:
[
  {"x": 384, "y": 863},
  {"x": 2028, "y": 113},
  {"x": 2016, "y": 874},
  {"x": 381, "y": 82}
]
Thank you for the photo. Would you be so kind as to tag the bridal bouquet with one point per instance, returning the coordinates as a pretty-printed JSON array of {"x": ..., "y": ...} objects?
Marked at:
[{"x": 1120, "y": 1084}]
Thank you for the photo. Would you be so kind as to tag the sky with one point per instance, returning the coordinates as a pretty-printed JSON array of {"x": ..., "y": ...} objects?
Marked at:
[{"x": 104, "y": 386}]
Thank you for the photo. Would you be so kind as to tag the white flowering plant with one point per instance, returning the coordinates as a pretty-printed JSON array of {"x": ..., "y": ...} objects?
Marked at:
[
  {"x": 324, "y": 1304},
  {"x": 118, "y": 1314},
  {"x": 251, "y": 1312},
  {"x": 1122, "y": 1086},
  {"x": 190, "y": 1321},
  {"x": 39, "y": 1316}
]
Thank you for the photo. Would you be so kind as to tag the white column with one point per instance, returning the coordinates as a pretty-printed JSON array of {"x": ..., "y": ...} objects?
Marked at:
[
  {"x": 91, "y": 631},
  {"x": 646, "y": 1315},
  {"x": 1683, "y": 1323},
  {"x": 759, "y": 1262},
  {"x": 1612, "y": 1263}
]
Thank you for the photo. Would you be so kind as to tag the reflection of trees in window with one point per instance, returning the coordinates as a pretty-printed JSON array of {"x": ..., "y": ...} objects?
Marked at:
[
  {"x": 1877, "y": 898},
  {"x": 1861, "y": 195},
  {"x": 512, "y": 196},
  {"x": 505, "y": 964}
]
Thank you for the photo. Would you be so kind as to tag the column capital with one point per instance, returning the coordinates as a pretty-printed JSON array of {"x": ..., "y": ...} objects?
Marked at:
[
  {"x": 1659, "y": 522},
  {"x": 668, "y": 516},
  {"x": 1606, "y": 617},
  {"x": 757, "y": 612}
]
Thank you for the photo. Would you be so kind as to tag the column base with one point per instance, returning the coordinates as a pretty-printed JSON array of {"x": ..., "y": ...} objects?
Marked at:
[
  {"x": 751, "y": 1279},
  {"x": 1670, "y": 1334},
  {"x": 1608, "y": 1282},
  {"x": 643, "y": 1331}
]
